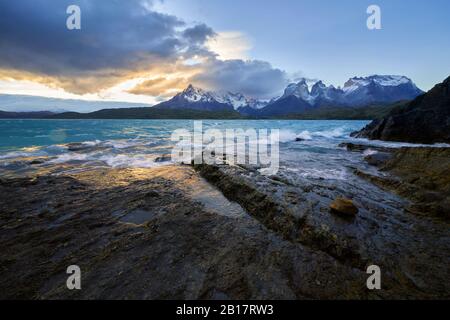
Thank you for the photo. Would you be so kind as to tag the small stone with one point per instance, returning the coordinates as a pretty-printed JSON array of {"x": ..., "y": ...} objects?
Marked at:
[
  {"x": 344, "y": 206},
  {"x": 153, "y": 193},
  {"x": 37, "y": 161},
  {"x": 76, "y": 146},
  {"x": 164, "y": 158},
  {"x": 299, "y": 139}
]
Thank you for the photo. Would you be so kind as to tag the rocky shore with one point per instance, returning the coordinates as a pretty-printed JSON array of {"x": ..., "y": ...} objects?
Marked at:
[
  {"x": 227, "y": 232},
  {"x": 149, "y": 234},
  {"x": 419, "y": 174}
]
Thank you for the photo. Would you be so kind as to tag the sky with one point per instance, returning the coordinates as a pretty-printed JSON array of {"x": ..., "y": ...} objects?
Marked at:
[{"x": 148, "y": 50}]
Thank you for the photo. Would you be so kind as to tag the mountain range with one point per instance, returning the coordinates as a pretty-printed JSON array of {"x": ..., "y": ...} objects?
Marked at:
[
  {"x": 199, "y": 99},
  {"x": 300, "y": 97}
]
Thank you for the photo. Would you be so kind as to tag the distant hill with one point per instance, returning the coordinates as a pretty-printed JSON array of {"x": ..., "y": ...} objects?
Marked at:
[
  {"x": 25, "y": 103},
  {"x": 25, "y": 115},
  {"x": 149, "y": 113},
  {"x": 345, "y": 113},
  {"x": 325, "y": 113}
]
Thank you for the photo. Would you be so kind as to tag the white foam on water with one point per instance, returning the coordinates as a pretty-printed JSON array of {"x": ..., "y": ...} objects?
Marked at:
[
  {"x": 92, "y": 143},
  {"x": 67, "y": 157},
  {"x": 305, "y": 135},
  {"x": 112, "y": 160},
  {"x": 333, "y": 133},
  {"x": 20, "y": 154},
  {"x": 392, "y": 144},
  {"x": 122, "y": 144},
  {"x": 369, "y": 152},
  {"x": 56, "y": 148},
  {"x": 327, "y": 174},
  {"x": 127, "y": 161}
]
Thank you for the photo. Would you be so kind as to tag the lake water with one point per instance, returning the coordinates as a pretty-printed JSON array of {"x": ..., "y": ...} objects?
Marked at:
[
  {"x": 25, "y": 133},
  {"x": 137, "y": 143}
]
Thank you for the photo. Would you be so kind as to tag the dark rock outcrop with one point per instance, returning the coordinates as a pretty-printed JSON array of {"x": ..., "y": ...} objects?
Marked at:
[
  {"x": 426, "y": 119},
  {"x": 164, "y": 158}
]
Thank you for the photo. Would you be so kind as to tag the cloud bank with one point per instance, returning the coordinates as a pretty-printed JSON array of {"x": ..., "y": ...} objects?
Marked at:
[{"x": 120, "y": 41}]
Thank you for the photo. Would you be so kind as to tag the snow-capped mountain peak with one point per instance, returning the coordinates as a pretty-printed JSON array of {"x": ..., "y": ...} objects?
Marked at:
[
  {"x": 356, "y": 91},
  {"x": 379, "y": 89},
  {"x": 192, "y": 95},
  {"x": 318, "y": 88},
  {"x": 297, "y": 97},
  {"x": 381, "y": 80},
  {"x": 238, "y": 100},
  {"x": 299, "y": 90}
]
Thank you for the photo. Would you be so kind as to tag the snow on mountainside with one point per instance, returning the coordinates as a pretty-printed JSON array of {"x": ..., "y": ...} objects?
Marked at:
[
  {"x": 379, "y": 89},
  {"x": 238, "y": 100},
  {"x": 392, "y": 81},
  {"x": 356, "y": 91},
  {"x": 192, "y": 94},
  {"x": 299, "y": 90}
]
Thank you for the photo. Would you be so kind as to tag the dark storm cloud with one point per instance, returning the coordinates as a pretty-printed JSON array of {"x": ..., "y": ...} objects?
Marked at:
[
  {"x": 114, "y": 34},
  {"x": 253, "y": 77},
  {"x": 199, "y": 33},
  {"x": 119, "y": 40}
]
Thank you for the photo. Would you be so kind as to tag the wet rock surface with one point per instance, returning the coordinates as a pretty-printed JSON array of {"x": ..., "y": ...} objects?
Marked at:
[
  {"x": 410, "y": 249},
  {"x": 178, "y": 232},
  {"x": 378, "y": 159},
  {"x": 141, "y": 234},
  {"x": 420, "y": 174}
]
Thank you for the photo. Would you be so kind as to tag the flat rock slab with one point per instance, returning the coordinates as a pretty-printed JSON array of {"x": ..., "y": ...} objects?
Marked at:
[
  {"x": 411, "y": 250},
  {"x": 143, "y": 234}
]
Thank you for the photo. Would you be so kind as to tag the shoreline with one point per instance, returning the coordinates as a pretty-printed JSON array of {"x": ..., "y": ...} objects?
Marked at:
[{"x": 165, "y": 232}]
